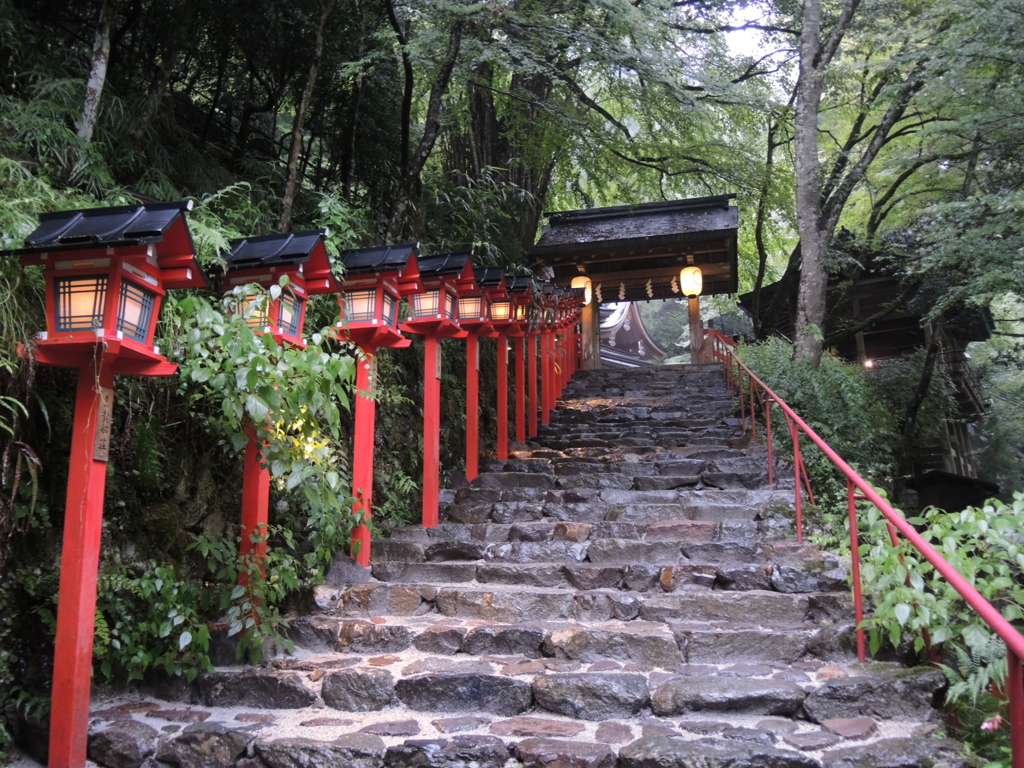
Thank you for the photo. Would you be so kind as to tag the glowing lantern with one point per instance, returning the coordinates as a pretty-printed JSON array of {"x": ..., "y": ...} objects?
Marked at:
[{"x": 690, "y": 281}]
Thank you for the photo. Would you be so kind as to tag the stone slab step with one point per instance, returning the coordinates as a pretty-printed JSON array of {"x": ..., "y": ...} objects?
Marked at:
[{"x": 511, "y": 603}]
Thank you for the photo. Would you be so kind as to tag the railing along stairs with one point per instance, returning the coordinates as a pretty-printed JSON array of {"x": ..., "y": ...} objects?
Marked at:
[{"x": 753, "y": 395}]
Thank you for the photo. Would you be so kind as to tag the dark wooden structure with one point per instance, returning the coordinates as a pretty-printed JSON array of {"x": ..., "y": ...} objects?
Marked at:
[
  {"x": 884, "y": 320},
  {"x": 630, "y": 245}
]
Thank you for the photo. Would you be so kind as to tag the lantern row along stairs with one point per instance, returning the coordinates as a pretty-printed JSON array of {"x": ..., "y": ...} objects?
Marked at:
[
  {"x": 623, "y": 591},
  {"x": 107, "y": 271}
]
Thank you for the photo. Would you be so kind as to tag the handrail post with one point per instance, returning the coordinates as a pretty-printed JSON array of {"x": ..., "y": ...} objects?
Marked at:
[
  {"x": 753, "y": 420},
  {"x": 768, "y": 439},
  {"x": 1015, "y": 693},
  {"x": 794, "y": 435},
  {"x": 858, "y": 599}
]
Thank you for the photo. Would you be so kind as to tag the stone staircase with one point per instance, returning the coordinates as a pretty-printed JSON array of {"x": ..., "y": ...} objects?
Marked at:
[{"x": 625, "y": 591}]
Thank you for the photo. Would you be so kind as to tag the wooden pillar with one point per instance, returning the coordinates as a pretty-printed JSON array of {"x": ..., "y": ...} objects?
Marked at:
[
  {"x": 545, "y": 377},
  {"x": 534, "y": 405},
  {"x": 255, "y": 503},
  {"x": 591, "y": 342},
  {"x": 521, "y": 389},
  {"x": 696, "y": 329},
  {"x": 503, "y": 396},
  {"x": 472, "y": 406},
  {"x": 431, "y": 429},
  {"x": 79, "y": 566},
  {"x": 362, "y": 456}
]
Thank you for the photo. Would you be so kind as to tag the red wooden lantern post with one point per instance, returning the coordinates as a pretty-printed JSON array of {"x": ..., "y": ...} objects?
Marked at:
[
  {"x": 107, "y": 271},
  {"x": 477, "y": 309},
  {"x": 521, "y": 295},
  {"x": 435, "y": 316},
  {"x": 548, "y": 320},
  {"x": 374, "y": 282},
  {"x": 503, "y": 318},
  {"x": 302, "y": 259}
]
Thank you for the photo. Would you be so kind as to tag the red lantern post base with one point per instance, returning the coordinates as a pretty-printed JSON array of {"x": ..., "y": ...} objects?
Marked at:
[
  {"x": 79, "y": 566},
  {"x": 362, "y": 457},
  {"x": 255, "y": 505},
  {"x": 502, "y": 397}
]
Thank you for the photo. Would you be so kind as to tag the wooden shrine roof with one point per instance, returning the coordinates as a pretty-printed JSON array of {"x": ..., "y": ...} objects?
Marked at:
[{"x": 623, "y": 247}]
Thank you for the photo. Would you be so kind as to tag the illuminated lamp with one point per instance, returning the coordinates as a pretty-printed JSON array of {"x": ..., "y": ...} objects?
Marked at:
[
  {"x": 586, "y": 284},
  {"x": 690, "y": 281},
  {"x": 501, "y": 311}
]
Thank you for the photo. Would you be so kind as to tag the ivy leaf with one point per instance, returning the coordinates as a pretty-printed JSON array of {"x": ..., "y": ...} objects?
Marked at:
[
  {"x": 256, "y": 408},
  {"x": 902, "y": 611},
  {"x": 184, "y": 640}
]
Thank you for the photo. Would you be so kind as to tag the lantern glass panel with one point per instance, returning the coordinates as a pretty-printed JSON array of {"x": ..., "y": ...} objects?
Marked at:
[
  {"x": 361, "y": 306},
  {"x": 135, "y": 311},
  {"x": 501, "y": 310},
  {"x": 80, "y": 302},
  {"x": 450, "y": 307},
  {"x": 521, "y": 312},
  {"x": 471, "y": 308},
  {"x": 426, "y": 304},
  {"x": 390, "y": 309},
  {"x": 290, "y": 313},
  {"x": 254, "y": 309}
]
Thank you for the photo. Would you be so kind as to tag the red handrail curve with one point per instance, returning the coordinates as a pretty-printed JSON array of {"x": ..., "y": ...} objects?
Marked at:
[{"x": 723, "y": 351}]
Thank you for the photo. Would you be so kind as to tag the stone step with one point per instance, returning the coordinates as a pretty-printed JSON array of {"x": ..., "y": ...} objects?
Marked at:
[
  {"x": 510, "y": 603},
  {"x": 381, "y": 712},
  {"x": 651, "y": 644}
]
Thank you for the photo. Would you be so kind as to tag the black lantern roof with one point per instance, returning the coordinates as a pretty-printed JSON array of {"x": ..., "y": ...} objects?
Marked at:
[
  {"x": 518, "y": 284},
  {"x": 488, "y": 277},
  {"x": 161, "y": 225},
  {"x": 444, "y": 265},
  {"x": 273, "y": 250},
  {"x": 384, "y": 258}
]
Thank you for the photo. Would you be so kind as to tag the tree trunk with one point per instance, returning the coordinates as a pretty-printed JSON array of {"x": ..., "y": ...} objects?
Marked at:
[
  {"x": 97, "y": 72},
  {"x": 291, "y": 182},
  {"x": 431, "y": 129},
  {"x": 815, "y": 57}
]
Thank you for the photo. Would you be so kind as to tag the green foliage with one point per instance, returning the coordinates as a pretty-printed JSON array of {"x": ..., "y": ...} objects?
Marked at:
[
  {"x": 912, "y": 600},
  {"x": 148, "y": 618},
  {"x": 842, "y": 406}
]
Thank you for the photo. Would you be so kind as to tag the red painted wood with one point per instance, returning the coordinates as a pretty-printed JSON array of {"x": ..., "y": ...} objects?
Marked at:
[
  {"x": 255, "y": 504},
  {"x": 521, "y": 389},
  {"x": 472, "y": 406},
  {"x": 545, "y": 377},
  {"x": 431, "y": 430},
  {"x": 503, "y": 396},
  {"x": 534, "y": 406},
  {"x": 362, "y": 458},
  {"x": 76, "y": 610},
  {"x": 1015, "y": 689}
]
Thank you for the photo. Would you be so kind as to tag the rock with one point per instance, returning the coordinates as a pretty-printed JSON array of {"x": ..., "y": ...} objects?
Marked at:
[
  {"x": 898, "y": 753},
  {"x": 900, "y": 693},
  {"x": 344, "y": 571},
  {"x": 793, "y": 578},
  {"x": 613, "y": 733},
  {"x": 460, "y": 752},
  {"x": 258, "y": 688},
  {"x": 453, "y": 692},
  {"x": 536, "y": 726},
  {"x": 455, "y": 550},
  {"x": 204, "y": 745},
  {"x": 744, "y": 576},
  {"x": 551, "y": 753},
  {"x": 456, "y": 724},
  {"x": 354, "y": 750},
  {"x": 326, "y": 722},
  {"x": 358, "y": 690},
  {"x": 504, "y": 641},
  {"x": 124, "y": 744},
  {"x": 180, "y": 715},
  {"x": 811, "y": 741},
  {"x": 673, "y": 752},
  {"x": 855, "y": 728},
  {"x": 367, "y": 637},
  {"x": 777, "y": 726},
  {"x": 751, "y": 735},
  {"x": 440, "y": 640},
  {"x": 600, "y": 696},
  {"x": 588, "y": 576},
  {"x": 714, "y": 694},
  {"x": 393, "y": 728}
]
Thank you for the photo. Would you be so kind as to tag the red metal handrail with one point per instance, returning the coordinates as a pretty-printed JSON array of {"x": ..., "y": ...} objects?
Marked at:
[{"x": 859, "y": 489}]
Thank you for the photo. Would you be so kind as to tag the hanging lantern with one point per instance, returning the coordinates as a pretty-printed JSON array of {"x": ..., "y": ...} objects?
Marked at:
[
  {"x": 375, "y": 279},
  {"x": 586, "y": 284},
  {"x": 690, "y": 281}
]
